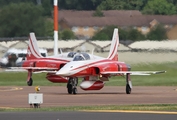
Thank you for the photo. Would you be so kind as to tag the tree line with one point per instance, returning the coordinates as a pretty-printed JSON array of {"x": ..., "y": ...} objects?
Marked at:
[
  {"x": 19, "y": 17},
  {"x": 157, "y": 33},
  {"x": 158, "y": 7}
]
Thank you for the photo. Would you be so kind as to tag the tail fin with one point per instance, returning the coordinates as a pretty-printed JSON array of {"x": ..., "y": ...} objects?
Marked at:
[
  {"x": 33, "y": 50},
  {"x": 113, "y": 55}
]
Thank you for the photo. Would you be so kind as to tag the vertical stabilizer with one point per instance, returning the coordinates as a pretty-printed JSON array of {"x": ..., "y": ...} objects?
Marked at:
[
  {"x": 33, "y": 50},
  {"x": 114, "y": 46}
]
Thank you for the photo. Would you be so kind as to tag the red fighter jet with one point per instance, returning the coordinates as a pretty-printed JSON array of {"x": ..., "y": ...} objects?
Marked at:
[
  {"x": 96, "y": 70},
  {"x": 36, "y": 63}
]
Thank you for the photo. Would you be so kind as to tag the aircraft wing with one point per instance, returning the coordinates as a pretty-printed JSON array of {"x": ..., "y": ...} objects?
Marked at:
[
  {"x": 132, "y": 72},
  {"x": 35, "y": 69}
]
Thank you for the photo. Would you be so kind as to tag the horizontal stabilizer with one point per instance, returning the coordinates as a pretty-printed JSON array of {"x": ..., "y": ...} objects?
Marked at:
[
  {"x": 31, "y": 68},
  {"x": 133, "y": 72},
  {"x": 45, "y": 71}
]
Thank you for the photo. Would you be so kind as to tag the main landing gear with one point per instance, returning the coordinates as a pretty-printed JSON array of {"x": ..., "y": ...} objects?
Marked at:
[
  {"x": 128, "y": 89},
  {"x": 128, "y": 84},
  {"x": 30, "y": 82},
  {"x": 29, "y": 79},
  {"x": 72, "y": 85}
]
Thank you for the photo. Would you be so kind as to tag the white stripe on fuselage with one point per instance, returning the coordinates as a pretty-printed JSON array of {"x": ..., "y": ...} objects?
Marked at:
[{"x": 75, "y": 67}]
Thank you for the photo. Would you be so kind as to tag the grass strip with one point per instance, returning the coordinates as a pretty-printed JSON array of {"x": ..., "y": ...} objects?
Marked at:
[{"x": 143, "y": 107}]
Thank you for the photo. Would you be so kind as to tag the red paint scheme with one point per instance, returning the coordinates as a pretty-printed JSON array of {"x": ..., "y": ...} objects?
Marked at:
[
  {"x": 48, "y": 65},
  {"x": 37, "y": 63},
  {"x": 95, "y": 85},
  {"x": 56, "y": 79},
  {"x": 123, "y": 67},
  {"x": 43, "y": 63},
  {"x": 107, "y": 65}
]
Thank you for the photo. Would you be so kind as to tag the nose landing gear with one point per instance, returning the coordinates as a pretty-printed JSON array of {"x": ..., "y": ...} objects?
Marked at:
[{"x": 72, "y": 85}]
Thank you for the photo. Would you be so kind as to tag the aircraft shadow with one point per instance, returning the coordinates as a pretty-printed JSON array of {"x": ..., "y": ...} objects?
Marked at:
[{"x": 89, "y": 93}]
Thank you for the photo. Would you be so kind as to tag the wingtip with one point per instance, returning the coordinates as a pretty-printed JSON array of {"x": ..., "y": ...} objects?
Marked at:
[{"x": 159, "y": 72}]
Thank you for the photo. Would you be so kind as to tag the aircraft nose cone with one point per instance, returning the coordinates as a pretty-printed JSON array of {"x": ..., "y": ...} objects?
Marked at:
[{"x": 62, "y": 73}]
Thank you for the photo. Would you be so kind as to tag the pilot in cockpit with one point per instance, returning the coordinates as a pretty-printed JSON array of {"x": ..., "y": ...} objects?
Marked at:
[{"x": 81, "y": 57}]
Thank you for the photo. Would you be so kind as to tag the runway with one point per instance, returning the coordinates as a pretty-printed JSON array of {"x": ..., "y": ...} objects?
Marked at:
[
  {"x": 53, "y": 96},
  {"x": 83, "y": 116}
]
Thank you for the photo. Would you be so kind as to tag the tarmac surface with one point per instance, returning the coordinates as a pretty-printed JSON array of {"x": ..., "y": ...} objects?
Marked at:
[
  {"x": 55, "y": 96},
  {"x": 84, "y": 116}
]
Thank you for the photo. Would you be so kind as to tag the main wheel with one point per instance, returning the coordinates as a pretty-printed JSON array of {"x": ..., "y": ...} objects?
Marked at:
[
  {"x": 74, "y": 90},
  {"x": 128, "y": 89},
  {"x": 30, "y": 82},
  {"x": 69, "y": 87}
]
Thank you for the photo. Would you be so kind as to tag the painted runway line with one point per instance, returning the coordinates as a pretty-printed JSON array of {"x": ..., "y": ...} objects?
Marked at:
[
  {"x": 10, "y": 89},
  {"x": 133, "y": 111}
]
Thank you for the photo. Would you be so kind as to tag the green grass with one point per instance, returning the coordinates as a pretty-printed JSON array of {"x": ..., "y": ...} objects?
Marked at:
[
  {"x": 166, "y": 79},
  {"x": 154, "y": 107}
]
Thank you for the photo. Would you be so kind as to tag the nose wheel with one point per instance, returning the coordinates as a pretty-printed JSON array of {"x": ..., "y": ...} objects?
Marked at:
[{"x": 72, "y": 85}]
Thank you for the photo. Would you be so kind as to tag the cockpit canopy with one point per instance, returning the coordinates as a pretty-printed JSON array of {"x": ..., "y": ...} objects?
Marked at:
[
  {"x": 71, "y": 54},
  {"x": 81, "y": 57}
]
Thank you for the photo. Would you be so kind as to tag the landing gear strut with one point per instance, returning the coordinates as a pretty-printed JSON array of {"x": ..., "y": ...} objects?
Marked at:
[
  {"x": 72, "y": 85},
  {"x": 128, "y": 84}
]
